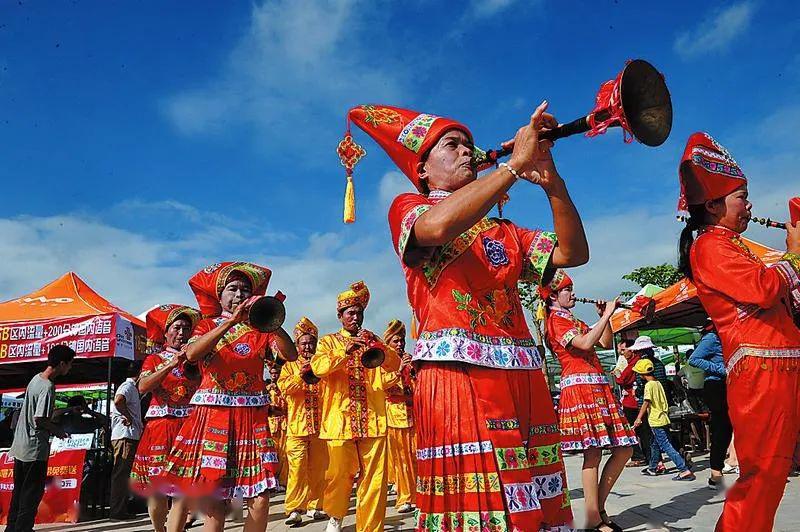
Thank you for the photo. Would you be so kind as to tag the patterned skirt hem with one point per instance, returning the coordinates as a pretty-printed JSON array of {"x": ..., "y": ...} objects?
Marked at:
[{"x": 604, "y": 442}]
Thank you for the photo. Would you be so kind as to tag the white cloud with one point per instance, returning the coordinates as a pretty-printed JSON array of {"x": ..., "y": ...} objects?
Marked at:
[
  {"x": 297, "y": 67},
  {"x": 490, "y": 7},
  {"x": 391, "y": 185},
  {"x": 136, "y": 271},
  {"x": 716, "y": 32}
]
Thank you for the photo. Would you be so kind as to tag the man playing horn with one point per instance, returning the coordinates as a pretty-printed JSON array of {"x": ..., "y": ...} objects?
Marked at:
[
  {"x": 476, "y": 360},
  {"x": 399, "y": 386},
  {"x": 353, "y": 415},
  {"x": 306, "y": 453}
]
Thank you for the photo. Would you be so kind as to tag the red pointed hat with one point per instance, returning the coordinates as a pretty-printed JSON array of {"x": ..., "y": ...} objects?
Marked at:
[
  {"x": 160, "y": 318},
  {"x": 207, "y": 284},
  {"x": 559, "y": 281},
  {"x": 404, "y": 135},
  {"x": 707, "y": 171}
]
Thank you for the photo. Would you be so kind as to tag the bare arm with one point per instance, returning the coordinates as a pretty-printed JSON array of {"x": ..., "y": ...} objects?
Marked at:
[
  {"x": 572, "y": 249},
  {"x": 122, "y": 406},
  {"x": 600, "y": 333},
  {"x": 642, "y": 413},
  {"x": 461, "y": 210},
  {"x": 533, "y": 162}
]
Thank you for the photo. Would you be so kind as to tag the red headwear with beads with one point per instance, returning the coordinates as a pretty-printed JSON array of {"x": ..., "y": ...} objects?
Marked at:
[
  {"x": 707, "y": 172},
  {"x": 207, "y": 284},
  {"x": 160, "y": 318},
  {"x": 559, "y": 281},
  {"x": 404, "y": 135}
]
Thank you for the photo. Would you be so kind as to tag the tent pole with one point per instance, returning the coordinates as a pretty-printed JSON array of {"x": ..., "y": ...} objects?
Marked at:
[{"x": 105, "y": 497}]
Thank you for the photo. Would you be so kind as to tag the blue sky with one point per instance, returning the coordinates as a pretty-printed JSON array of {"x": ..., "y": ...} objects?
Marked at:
[{"x": 140, "y": 143}]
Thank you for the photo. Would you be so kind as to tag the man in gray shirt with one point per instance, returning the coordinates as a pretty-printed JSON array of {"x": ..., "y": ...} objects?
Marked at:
[{"x": 31, "y": 446}]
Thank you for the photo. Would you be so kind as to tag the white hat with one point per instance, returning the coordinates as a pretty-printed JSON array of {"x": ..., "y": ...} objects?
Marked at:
[{"x": 641, "y": 343}]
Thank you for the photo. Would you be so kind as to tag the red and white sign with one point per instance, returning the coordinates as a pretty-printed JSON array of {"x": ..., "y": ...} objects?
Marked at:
[
  {"x": 92, "y": 336},
  {"x": 61, "y": 501}
]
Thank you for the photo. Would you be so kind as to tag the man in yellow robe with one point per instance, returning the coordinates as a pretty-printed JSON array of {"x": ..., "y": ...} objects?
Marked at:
[
  {"x": 277, "y": 423},
  {"x": 353, "y": 415},
  {"x": 400, "y": 420},
  {"x": 306, "y": 454}
]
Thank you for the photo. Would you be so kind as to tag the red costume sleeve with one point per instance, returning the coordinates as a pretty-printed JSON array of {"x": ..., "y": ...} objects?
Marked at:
[
  {"x": 725, "y": 267},
  {"x": 403, "y": 214},
  {"x": 149, "y": 365},
  {"x": 562, "y": 330},
  {"x": 202, "y": 328},
  {"x": 539, "y": 246}
]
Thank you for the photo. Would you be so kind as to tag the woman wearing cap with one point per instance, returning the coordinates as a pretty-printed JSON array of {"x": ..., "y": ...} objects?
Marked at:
[
  {"x": 225, "y": 448},
  {"x": 707, "y": 356},
  {"x": 590, "y": 416},
  {"x": 750, "y": 305},
  {"x": 164, "y": 374},
  {"x": 476, "y": 360}
]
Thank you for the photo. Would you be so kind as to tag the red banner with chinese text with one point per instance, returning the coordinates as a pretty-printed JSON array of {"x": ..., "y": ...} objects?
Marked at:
[
  {"x": 92, "y": 336},
  {"x": 61, "y": 501}
]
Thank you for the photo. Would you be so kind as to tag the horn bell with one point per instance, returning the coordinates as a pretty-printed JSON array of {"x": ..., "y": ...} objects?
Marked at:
[{"x": 646, "y": 103}]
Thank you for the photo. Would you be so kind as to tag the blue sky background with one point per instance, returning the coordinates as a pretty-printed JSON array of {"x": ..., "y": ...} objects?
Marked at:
[{"x": 142, "y": 142}]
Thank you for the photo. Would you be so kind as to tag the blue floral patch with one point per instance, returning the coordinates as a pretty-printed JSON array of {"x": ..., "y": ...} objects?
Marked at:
[
  {"x": 495, "y": 252},
  {"x": 242, "y": 349}
]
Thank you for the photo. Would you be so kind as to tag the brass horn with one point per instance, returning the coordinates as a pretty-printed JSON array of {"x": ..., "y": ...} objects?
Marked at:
[
  {"x": 646, "y": 306},
  {"x": 373, "y": 354},
  {"x": 266, "y": 313},
  {"x": 637, "y": 100}
]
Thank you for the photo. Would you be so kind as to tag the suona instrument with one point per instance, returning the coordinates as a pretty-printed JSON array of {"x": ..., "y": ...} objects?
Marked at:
[
  {"x": 637, "y": 100},
  {"x": 266, "y": 313}
]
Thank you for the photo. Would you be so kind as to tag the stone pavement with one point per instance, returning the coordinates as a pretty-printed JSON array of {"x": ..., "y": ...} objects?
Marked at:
[{"x": 638, "y": 503}]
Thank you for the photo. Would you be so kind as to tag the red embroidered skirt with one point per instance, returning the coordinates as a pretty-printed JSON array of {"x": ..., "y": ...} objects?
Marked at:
[
  {"x": 590, "y": 415},
  {"x": 488, "y": 455},
  {"x": 222, "y": 452},
  {"x": 151, "y": 453}
]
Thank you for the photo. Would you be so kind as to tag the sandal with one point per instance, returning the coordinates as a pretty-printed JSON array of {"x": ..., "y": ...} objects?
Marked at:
[{"x": 608, "y": 522}]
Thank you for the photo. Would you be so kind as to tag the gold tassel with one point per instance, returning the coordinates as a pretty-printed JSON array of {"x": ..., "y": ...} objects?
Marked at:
[
  {"x": 349, "y": 202},
  {"x": 414, "y": 332},
  {"x": 540, "y": 313}
]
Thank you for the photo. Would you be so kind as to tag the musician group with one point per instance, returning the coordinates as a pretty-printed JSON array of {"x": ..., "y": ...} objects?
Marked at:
[{"x": 465, "y": 428}]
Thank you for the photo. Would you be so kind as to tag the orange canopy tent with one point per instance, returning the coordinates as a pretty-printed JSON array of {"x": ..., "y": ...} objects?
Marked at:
[
  {"x": 678, "y": 305},
  {"x": 67, "y": 311}
]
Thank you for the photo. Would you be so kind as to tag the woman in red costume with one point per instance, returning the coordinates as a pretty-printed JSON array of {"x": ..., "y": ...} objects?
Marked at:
[
  {"x": 487, "y": 435},
  {"x": 172, "y": 383},
  {"x": 590, "y": 416},
  {"x": 225, "y": 448},
  {"x": 750, "y": 305}
]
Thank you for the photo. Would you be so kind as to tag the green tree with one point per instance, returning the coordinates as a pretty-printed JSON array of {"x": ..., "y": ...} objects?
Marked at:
[{"x": 663, "y": 275}]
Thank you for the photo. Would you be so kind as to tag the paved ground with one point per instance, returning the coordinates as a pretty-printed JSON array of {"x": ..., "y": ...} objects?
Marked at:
[{"x": 639, "y": 504}]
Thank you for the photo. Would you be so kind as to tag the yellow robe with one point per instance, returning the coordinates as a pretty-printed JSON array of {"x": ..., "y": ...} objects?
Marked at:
[
  {"x": 354, "y": 425},
  {"x": 277, "y": 426},
  {"x": 400, "y": 436},
  {"x": 306, "y": 454}
]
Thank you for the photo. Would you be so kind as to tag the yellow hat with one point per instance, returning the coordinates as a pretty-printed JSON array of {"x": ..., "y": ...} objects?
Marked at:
[
  {"x": 357, "y": 294},
  {"x": 395, "y": 328},
  {"x": 643, "y": 367},
  {"x": 305, "y": 326}
]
